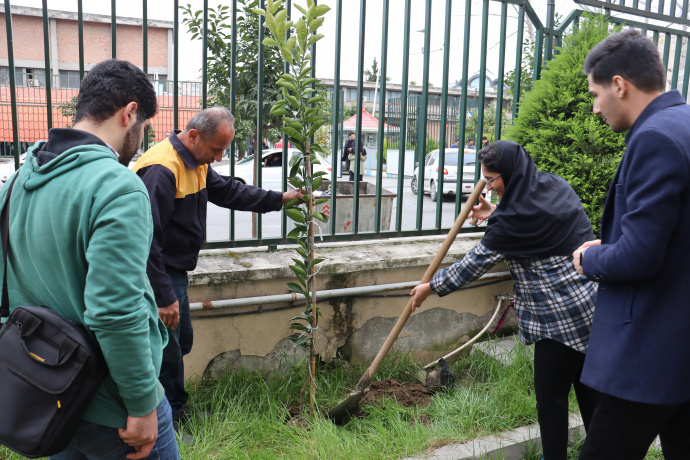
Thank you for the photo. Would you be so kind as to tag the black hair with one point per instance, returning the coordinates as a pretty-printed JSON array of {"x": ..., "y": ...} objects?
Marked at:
[
  {"x": 489, "y": 157},
  {"x": 111, "y": 85},
  {"x": 207, "y": 121},
  {"x": 351, "y": 133},
  {"x": 629, "y": 54}
]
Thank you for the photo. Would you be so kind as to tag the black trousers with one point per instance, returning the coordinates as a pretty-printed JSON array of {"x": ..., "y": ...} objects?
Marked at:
[
  {"x": 352, "y": 176},
  {"x": 557, "y": 368},
  {"x": 624, "y": 430}
]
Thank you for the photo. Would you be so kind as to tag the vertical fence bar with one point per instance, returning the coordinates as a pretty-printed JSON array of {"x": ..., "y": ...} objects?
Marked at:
[
  {"x": 284, "y": 156},
  {"x": 676, "y": 62},
  {"x": 48, "y": 72},
  {"x": 518, "y": 61},
  {"x": 335, "y": 143},
  {"x": 258, "y": 152},
  {"x": 501, "y": 69},
  {"x": 684, "y": 10},
  {"x": 463, "y": 103},
  {"x": 176, "y": 54},
  {"x": 482, "y": 84},
  {"x": 538, "y": 48},
  {"x": 672, "y": 11},
  {"x": 667, "y": 50},
  {"x": 145, "y": 53},
  {"x": 444, "y": 114},
  {"x": 661, "y": 7},
  {"x": 382, "y": 116},
  {"x": 113, "y": 29},
  {"x": 204, "y": 57},
  {"x": 358, "y": 130},
  {"x": 13, "y": 83},
  {"x": 422, "y": 114},
  {"x": 145, "y": 37},
  {"x": 655, "y": 37},
  {"x": 403, "y": 115},
  {"x": 550, "y": 10},
  {"x": 233, "y": 103},
  {"x": 686, "y": 73},
  {"x": 80, "y": 28}
]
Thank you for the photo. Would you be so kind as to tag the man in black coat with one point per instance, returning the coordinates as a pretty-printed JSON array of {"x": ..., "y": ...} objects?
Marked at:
[{"x": 348, "y": 148}]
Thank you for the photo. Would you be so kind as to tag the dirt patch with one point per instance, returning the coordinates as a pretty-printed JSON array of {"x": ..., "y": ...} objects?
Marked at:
[{"x": 407, "y": 394}]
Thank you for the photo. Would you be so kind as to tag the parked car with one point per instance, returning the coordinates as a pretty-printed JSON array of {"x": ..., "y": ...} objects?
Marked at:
[
  {"x": 7, "y": 167},
  {"x": 450, "y": 173},
  {"x": 271, "y": 170}
]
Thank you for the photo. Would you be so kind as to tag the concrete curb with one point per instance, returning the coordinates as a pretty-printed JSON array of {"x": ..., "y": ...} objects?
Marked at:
[{"x": 509, "y": 445}]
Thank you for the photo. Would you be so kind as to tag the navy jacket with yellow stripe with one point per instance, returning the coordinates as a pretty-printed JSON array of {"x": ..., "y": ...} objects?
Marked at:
[{"x": 179, "y": 189}]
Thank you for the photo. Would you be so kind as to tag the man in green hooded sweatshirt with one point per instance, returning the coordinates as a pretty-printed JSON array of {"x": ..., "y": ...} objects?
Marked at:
[{"x": 80, "y": 230}]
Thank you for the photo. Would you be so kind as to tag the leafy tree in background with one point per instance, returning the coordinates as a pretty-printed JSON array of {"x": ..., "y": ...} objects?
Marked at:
[
  {"x": 219, "y": 46},
  {"x": 556, "y": 125},
  {"x": 527, "y": 70},
  {"x": 489, "y": 124},
  {"x": 373, "y": 73},
  {"x": 527, "y": 64}
]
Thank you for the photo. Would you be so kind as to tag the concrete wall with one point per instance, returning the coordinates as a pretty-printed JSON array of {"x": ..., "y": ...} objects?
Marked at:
[{"x": 352, "y": 328}]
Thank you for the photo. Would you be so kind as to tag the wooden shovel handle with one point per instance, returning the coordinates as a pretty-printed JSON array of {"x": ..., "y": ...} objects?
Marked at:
[{"x": 430, "y": 271}]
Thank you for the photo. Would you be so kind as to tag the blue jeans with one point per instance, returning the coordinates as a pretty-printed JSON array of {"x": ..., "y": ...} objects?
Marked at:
[
  {"x": 179, "y": 344},
  {"x": 94, "y": 441}
]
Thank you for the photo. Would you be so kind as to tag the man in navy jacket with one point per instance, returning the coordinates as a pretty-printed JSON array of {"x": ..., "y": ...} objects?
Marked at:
[{"x": 639, "y": 351}]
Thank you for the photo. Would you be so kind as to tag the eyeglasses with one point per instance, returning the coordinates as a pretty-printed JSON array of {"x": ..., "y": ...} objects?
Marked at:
[{"x": 489, "y": 181}]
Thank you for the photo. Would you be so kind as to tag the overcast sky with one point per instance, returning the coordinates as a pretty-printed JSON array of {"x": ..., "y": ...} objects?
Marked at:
[{"x": 190, "y": 51}]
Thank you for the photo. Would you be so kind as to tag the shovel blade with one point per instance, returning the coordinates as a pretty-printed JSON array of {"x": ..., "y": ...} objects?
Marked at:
[{"x": 341, "y": 413}]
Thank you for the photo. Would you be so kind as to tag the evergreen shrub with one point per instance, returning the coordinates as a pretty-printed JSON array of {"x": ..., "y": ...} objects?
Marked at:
[{"x": 555, "y": 123}]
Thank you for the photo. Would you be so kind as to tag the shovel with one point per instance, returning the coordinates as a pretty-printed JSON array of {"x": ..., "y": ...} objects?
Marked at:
[{"x": 339, "y": 413}]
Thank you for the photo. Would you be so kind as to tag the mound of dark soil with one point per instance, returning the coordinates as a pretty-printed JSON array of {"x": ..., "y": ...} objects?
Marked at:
[{"x": 407, "y": 394}]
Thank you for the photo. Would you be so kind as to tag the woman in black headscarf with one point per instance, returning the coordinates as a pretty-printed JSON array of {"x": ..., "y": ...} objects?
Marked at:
[{"x": 536, "y": 226}]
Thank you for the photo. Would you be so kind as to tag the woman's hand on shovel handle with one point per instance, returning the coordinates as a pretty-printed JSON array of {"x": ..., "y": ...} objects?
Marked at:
[
  {"x": 420, "y": 293},
  {"x": 481, "y": 212}
]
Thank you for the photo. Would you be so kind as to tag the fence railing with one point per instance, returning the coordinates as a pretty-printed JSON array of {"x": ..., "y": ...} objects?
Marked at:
[{"x": 30, "y": 104}]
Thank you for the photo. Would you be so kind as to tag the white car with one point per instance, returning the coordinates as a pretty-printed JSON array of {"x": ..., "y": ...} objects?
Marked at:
[
  {"x": 271, "y": 170},
  {"x": 450, "y": 173},
  {"x": 7, "y": 167}
]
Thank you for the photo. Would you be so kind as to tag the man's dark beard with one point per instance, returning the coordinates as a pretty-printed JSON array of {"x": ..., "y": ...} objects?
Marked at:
[{"x": 131, "y": 144}]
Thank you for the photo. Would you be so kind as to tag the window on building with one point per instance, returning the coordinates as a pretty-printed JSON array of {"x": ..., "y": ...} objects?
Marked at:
[
  {"x": 4, "y": 76},
  {"x": 69, "y": 79},
  {"x": 36, "y": 77}
]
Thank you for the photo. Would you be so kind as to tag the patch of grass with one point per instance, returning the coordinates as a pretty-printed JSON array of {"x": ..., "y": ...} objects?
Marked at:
[{"x": 250, "y": 416}]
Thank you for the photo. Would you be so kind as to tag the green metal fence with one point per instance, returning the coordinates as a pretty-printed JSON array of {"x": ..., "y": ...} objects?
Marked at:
[{"x": 414, "y": 120}]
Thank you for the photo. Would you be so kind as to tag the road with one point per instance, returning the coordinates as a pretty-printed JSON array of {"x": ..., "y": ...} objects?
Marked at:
[{"x": 218, "y": 221}]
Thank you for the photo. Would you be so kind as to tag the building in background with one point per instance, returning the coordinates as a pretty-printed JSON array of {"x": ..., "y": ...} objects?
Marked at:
[{"x": 63, "y": 42}]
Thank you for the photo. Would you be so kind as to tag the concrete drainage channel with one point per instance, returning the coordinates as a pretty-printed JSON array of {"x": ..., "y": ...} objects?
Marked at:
[{"x": 509, "y": 445}]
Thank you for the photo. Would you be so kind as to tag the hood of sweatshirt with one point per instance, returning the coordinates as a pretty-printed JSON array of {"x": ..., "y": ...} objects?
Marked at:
[{"x": 65, "y": 150}]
